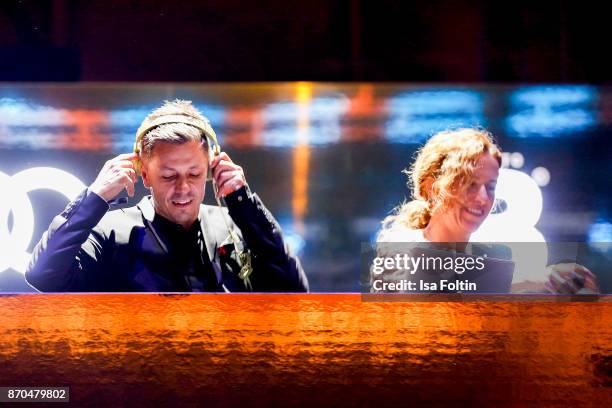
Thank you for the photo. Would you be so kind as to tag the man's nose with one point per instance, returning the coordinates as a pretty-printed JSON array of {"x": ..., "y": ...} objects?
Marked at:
[{"x": 181, "y": 185}]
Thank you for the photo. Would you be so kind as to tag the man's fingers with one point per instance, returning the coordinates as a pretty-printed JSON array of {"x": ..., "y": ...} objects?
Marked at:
[
  {"x": 233, "y": 178},
  {"x": 229, "y": 187},
  {"x": 229, "y": 181},
  {"x": 124, "y": 164},
  {"x": 132, "y": 173},
  {"x": 126, "y": 156},
  {"x": 220, "y": 157},
  {"x": 129, "y": 185},
  {"x": 225, "y": 165},
  {"x": 116, "y": 174},
  {"x": 122, "y": 161},
  {"x": 222, "y": 188},
  {"x": 226, "y": 174},
  {"x": 121, "y": 171}
]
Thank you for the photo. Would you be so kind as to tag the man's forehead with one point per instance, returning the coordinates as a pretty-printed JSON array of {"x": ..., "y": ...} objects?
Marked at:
[
  {"x": 191, "y": 149},
  {"x": 176, "y": 162},
  {"x": 171, "y": 167}
]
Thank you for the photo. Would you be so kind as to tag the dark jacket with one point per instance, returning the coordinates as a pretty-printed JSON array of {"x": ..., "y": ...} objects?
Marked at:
[{"x": 88, "y": 248}]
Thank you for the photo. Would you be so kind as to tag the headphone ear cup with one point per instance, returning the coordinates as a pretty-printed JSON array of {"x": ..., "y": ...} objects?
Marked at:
[
  {"x": 137, "y": 165},
  {"x": 211, "y": 157},
  {"x": 213, "y": 151}
]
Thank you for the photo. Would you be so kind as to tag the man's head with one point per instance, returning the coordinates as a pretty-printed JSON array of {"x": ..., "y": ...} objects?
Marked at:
[{"x": 174, "y": 161}]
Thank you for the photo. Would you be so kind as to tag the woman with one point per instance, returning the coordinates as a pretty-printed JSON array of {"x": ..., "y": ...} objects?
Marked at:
[{"x": 453, "y": 180}]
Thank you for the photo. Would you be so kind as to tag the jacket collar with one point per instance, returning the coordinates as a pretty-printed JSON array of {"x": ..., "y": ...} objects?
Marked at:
[{"x": 148, "y": 212}]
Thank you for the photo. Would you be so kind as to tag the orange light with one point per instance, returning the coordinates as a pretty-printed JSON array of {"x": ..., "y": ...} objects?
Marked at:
[
  {"x": 90, "y": 133},
  {"x": 301, "y": 156}
]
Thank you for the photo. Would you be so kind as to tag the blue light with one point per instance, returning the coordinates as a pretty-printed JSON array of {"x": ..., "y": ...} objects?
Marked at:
[
  {"x": 558, "y": 95},
  {"x": 415, "y": 116},
  {"x": 125, "y": 122},
  {"x": 27, "y": 125},
  {"x": 214, "y": 113},
  {"x": 294, "y": 240},
  {"x": 600, "y": 231},
  {"x": 322, "y": 116},
  {"x": 11, "y": 106},
  {"x": 130, "y": 116},
  {"x": 551, "y": 111},
  {"x": 599, "y": 236},
  {"x": 15, "y": 112}
]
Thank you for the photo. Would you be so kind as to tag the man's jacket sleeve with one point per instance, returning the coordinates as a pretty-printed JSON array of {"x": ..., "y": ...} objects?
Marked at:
[
  {"x": 69, "y": 256},
  {"x": 274, "y": 268}
]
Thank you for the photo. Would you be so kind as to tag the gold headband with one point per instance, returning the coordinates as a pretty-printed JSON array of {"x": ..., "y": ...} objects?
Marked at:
[{"x": 202, "y": 125}]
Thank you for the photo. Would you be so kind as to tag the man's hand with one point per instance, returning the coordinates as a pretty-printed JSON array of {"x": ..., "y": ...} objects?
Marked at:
[
  {"x": 228, "y": 176},
  {"x": 118, "y": 173},
  {"x": 569, "y": 278}
]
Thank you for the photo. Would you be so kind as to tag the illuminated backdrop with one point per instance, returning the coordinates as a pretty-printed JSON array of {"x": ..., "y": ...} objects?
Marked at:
[{"x": 325, "y": 158}]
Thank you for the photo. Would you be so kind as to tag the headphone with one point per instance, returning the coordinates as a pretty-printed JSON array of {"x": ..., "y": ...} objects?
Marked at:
[{"x": 203, "y": 125}]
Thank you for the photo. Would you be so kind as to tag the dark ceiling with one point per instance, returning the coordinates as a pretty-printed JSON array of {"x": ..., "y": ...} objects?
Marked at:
[{"x": 344, "y": 40}]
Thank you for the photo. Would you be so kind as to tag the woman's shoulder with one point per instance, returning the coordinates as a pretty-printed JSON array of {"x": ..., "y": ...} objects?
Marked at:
[{"x": 400, "y": 233}]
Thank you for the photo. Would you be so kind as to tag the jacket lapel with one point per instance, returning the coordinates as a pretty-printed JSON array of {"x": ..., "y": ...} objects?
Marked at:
[
  {"x": 146, "y": 208},
  {"x": 210, "y": 241},
  {"x": 148, "y": 212}
]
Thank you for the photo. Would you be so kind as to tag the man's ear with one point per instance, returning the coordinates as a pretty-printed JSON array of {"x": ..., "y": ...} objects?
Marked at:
[{"x": 145, "y": 175}]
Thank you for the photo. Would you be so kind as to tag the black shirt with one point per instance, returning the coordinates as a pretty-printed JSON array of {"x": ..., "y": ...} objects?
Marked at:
[{"x": 192, "y": 267}]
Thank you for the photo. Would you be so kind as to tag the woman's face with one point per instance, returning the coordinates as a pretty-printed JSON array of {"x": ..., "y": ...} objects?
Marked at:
[{"x": 476, "y": 200}]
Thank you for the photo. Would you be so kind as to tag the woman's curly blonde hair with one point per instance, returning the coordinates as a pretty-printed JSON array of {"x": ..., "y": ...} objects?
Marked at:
[{"x": 443, "y": 168}]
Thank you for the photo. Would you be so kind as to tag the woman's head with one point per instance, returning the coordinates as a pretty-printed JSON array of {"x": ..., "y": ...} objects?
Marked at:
[{"x": 453, "y": 181}]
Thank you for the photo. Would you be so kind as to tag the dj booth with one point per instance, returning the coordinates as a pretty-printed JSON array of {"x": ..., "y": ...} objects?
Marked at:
[
  {"x": 324, "y": 349},
  {"x": 326, "y": 159}
]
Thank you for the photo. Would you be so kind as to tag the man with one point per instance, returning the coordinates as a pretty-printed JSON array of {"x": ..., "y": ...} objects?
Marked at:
[{"x": 169, "y": 242}]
